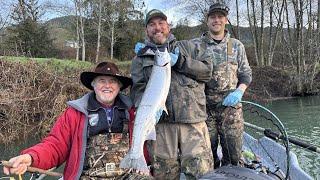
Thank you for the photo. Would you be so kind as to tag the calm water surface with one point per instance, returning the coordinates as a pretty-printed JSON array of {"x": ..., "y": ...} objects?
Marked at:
[{"x": 300, "y": 116}]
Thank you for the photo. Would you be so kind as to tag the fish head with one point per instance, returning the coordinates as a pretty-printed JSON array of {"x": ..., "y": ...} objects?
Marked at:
[{"x": 162, "y": 58}]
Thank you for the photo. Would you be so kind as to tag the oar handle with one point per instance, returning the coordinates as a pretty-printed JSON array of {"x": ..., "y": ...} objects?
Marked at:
[
  {"x": 295, "y": 141},
  {"x": 34, "y": 170},
  {"x": 275, "y": 135}
]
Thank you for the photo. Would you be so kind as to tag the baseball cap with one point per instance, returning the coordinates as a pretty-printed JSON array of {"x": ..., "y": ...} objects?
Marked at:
[
  {"x": 219, "y": 7},
  {"x": 154, "y": 13}
]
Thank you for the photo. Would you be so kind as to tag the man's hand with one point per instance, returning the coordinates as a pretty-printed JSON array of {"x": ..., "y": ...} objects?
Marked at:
[
  {"x": 138, "y": 47},
  {"x": 233, "y": 98},
  {"x": 19, "y": 164},
  {"x": 174, "y": 56}
]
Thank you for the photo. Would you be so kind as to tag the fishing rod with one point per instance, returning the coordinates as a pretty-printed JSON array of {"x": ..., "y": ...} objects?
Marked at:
[
  {"x": 33, "y": 169},
  {"x": 275, "y": 136}
]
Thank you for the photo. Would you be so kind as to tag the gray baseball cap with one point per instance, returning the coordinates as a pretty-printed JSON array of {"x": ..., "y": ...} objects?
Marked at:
[{"x": 154, "y": 13}]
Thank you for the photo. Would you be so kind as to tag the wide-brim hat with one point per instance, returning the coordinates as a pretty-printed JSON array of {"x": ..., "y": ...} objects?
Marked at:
[
  {"x": 219, "y": 7},
  {"x": 104, "y": 69}
]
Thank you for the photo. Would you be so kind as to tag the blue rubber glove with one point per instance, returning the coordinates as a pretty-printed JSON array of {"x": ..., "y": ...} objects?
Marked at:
[
  {"x": 233, "y": 98},
  {"x": 158, "y": 115},
  {"x": 138, "y": 47},
  {"x": 174, "y": 56}
]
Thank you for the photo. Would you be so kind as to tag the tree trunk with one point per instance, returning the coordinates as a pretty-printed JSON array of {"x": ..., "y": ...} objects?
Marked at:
[
  {"x": 77, "y": 29},
  {"x": 253, "y": 29},
  {"x": 302, "y": 46},
  {"x": 318, "y": 21},
  {"x": 238, "y": 30},
  {"x": 299, "y": 44},
  {"x": 112, "y": 40},
  {"x": 83, "y": 43},
  {"x": 99, "y": 31},
  {"x": 261, "y": 40},
  {"x": 269, "y": 59},
  {"x": 288, "y": 42},
  {"x": 274, "y": 35}
]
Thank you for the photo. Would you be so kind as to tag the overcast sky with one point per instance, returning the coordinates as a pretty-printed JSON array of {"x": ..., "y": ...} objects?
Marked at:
[{"x": 172, "y": 12}]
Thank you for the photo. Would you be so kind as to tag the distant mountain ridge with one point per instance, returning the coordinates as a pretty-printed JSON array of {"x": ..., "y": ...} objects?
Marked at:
[{"x": 68, "y": 23}]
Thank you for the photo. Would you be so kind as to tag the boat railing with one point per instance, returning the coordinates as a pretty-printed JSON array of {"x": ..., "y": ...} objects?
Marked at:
[{"x": 263, "y": 122}]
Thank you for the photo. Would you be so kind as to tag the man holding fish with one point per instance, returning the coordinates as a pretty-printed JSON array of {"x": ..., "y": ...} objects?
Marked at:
[{"x": 182, "y": 140}]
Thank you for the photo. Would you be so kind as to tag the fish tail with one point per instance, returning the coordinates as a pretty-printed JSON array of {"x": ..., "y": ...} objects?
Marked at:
[
  {"x": 139, "y": 164},
  {"x": 129, "y": 163},
  {"x": 126, "y": 162}
]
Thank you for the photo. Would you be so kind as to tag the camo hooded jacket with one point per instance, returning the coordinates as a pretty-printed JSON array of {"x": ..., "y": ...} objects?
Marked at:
[
  {"x": 230, "y": 67},
  {"x": 186, "y": 99}
]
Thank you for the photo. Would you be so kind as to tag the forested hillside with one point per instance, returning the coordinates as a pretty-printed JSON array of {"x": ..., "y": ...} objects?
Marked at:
[{"x": 278, "y": 35}]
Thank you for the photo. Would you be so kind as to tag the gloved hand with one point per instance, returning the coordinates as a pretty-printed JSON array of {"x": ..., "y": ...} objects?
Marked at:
[
  {"x": 233, "y": 98},
  {"x": 174, "y": 56},
  {"x": 158, "y": 114},
  {"x": 138, "y": 47}
]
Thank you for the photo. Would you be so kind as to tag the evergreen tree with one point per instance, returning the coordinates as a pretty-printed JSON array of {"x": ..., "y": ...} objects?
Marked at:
[{"x": 27, "y": 35}]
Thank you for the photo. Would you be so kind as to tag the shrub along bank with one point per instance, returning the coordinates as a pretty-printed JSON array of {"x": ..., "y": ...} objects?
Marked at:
[{"x": 33, "y": 92}]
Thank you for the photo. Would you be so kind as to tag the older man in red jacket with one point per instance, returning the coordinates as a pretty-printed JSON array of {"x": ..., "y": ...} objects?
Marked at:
[{"x": 91, "y": 135}]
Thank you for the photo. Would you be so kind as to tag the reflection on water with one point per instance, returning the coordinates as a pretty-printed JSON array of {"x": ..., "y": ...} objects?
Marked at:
[
  {"x": 13, "y": 150},
  {"x": 6, "y": 152},
  {"x": 301, "y": 118}
]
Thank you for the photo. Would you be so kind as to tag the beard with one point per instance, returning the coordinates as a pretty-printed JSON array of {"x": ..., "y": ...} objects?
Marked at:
[{"x": 158, "y": 39}]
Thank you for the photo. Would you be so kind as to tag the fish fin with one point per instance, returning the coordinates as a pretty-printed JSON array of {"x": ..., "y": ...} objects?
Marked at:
[
  {"x": 164, "y": 107},
  {"x": 139, "y": 164},
  {"x": 152, "y": 135},
  {"x": 165, "y": 110}
]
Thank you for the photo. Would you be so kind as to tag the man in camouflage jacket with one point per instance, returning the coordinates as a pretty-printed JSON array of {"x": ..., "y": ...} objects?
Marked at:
[
  {"x": 230, "y": 78},
  {"x": 183, "y": 132}
]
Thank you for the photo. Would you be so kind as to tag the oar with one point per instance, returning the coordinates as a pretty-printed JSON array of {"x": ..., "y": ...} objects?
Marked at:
[
  {"x": 33, "y": 169},
  {"x": 275, "y": 136}
]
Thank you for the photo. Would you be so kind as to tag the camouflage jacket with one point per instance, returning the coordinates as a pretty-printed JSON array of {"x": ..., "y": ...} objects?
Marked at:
[
  {"x": 230, "y": 65},
  {"x": 186, "y": 99}
]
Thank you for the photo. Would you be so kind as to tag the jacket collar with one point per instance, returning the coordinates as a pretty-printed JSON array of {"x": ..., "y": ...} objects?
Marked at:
[
  {"x": 208, "y": 39},
  {"x": 82, "y": 104},
  {"x": 150, "y": 48},
  {"x": 94, "y": 105}
]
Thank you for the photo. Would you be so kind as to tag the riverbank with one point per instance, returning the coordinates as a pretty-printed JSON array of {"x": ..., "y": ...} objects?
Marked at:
[
  {"x": 271, "y": 83},
  {"x": 33, "y": 94}
]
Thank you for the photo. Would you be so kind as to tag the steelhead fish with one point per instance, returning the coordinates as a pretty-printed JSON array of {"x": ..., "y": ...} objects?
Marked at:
[{"x": 153, "y": 100}]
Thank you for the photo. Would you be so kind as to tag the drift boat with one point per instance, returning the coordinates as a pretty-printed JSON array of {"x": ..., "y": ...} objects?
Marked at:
[{"x": 266, "y": 151}]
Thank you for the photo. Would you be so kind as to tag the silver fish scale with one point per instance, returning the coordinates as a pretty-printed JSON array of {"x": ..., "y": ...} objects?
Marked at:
[{"x": 153, "y": 99}]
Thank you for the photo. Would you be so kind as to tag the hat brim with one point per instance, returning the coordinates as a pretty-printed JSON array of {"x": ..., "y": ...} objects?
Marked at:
[
  {"x": 160, "y": 15},
  {"x": 224, "y": 12},
  {"x": 86, "y": 79}
]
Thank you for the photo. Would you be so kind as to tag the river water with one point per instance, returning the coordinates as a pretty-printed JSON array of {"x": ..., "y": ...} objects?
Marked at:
[{"x": 300, "y": 116}]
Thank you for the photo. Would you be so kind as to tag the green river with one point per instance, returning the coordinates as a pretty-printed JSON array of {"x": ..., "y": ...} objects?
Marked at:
[{"x": 300, "y": 116}]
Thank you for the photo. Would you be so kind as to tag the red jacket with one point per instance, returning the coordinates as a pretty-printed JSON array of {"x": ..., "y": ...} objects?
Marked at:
[{"x": 67, "y": 142}]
